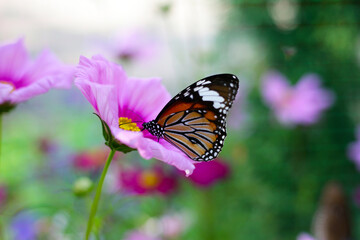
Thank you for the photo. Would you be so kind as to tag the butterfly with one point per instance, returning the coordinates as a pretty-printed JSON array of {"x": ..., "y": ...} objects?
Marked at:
[{"x": 194, "y": 120}]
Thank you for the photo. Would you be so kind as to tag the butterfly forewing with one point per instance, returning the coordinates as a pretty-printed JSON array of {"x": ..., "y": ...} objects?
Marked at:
[{"x": 195, "y": 119}]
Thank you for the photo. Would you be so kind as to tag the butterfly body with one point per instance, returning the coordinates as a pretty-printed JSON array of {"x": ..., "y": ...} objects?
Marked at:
[{"x": 195, "y": 119}]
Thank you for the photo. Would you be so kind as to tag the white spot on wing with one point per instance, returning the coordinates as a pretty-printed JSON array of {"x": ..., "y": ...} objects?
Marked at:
[
  {"x": 207, "y": 82},
  {"x": 216, "y": 105},
  {"x": 200, "y": 82},
  {"x": 213, "y": 98},
  {"x": 209, "y": 93},
  {"x": 198, "y": 88},
  {"x": 204, "y": 89}
]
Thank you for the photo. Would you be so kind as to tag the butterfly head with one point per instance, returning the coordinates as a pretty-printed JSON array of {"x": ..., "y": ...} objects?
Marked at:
[{"x": 154, "y": 128}]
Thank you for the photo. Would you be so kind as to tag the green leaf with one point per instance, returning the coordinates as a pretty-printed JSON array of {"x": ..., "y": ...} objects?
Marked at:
[
  {"x": 120, "y": 147},
  {"x": 106, "y": 131},
  {"x": 110, "y": 141}
]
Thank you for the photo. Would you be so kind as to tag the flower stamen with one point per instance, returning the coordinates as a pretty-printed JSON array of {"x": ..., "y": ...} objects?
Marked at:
[
  {"x": 127, "y": 124},
  {"x": 149, "y": 179}
]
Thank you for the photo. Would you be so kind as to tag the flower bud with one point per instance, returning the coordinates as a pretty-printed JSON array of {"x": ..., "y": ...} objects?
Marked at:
[{"x": 82, "y": 186}]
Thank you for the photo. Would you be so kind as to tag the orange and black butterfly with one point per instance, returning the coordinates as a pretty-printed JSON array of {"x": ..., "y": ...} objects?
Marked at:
[{"x": 195, "y": 119}]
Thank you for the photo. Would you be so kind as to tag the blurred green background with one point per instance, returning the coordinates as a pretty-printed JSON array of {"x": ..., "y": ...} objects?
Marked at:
[{"x": 276, "y": 173}]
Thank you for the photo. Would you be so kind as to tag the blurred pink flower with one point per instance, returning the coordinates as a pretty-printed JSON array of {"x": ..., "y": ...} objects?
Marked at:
[
  {"x": 21, "y": 78},
  {"x": 208, "y": 173},
  {"x": 139, "y": 235},
  {"x": 304, "y": 236},
  {"x": 168, "y": 226},
  {"x": 147, "y": 181},
  {"x": 91, "y": 160},
  {"x": 173, "y": 225},
  {"x": 353, "y": 150},
  {"x": 301, "y": 104},
  {"x": 134, "y": 45},
  {"x": 124, "y": 103}
]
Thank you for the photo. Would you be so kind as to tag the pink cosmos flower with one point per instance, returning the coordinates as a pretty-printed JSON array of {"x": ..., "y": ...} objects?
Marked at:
[
  {"x": 300, "y": 104},
  {"x": 91, "y": 160},
  {"x": 21, "y": 78},
  {"x": 208, "y": 173},
  {"x": 353, "y": 150},
  {"x": 304, "y": 236},
  {"x": 147, "y": 181},
  {"x": 124, "y": 103}
]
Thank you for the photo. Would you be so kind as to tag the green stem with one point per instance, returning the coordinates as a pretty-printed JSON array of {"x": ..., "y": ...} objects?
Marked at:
[{"x": 95, "y": 203}]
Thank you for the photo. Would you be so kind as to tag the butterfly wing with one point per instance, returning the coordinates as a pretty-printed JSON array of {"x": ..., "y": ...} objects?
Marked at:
[{"x": 195, "y": 119}]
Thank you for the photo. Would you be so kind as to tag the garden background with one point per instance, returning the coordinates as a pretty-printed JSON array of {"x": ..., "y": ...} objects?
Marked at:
[{"x": 271, "y": 179}]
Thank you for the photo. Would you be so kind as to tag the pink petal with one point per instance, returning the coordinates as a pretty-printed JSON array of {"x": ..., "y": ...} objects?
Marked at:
[
  {"x": 13, "y": 61},
  {"x": 145, "y": 96},
  {"x": 101, "y": 97},
  {"x": 167, "y": 153},
  {"x": 5, "y": 91},
  {"x": 47, "y": 65},
  {"x": 98, "y": 69}
]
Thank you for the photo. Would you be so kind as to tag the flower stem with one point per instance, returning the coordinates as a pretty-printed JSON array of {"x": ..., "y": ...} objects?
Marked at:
[{"x": 95, "y": 203}]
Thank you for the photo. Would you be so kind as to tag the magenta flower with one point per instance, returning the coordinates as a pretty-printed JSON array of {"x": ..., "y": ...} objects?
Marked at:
[
  {"x": 208, "y": 173},
  {"x": 147, "y": 181},
  {"x": 301, "y": 104},
  {"x": 21, "y": 78},
  {"x": 124, "y": 103},
  {"x": 353, "y": 150},
  {"x": 304, "y": 236}
]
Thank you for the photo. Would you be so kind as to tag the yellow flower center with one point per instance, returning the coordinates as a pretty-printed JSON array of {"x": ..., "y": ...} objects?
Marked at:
[
  {"x": 8, "y": 83},
  {"x": 127, "y": 124},
  {"x": 149, "y": 179}
]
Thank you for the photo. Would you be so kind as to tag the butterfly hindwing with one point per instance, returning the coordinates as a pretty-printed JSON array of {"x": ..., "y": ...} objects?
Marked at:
[{"x": 195, "y": 119}]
